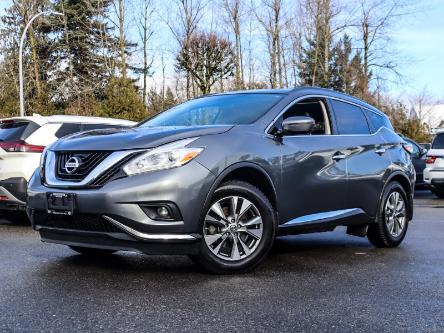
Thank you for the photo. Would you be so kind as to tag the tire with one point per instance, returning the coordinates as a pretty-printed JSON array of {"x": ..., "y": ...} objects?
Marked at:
[
  {"x": 383, "y": 233},
  {"x": 91, "y": 251},
  {"x": 249, "y": 231}
]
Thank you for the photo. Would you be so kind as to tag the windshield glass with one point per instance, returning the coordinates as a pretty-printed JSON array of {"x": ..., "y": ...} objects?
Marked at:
[
  {"x": 236, "y": 109},
  {"x": 438, "y": 142}
]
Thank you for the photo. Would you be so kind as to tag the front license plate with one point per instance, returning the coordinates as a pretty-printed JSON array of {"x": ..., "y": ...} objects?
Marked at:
[{"x": 61, "y": 203}]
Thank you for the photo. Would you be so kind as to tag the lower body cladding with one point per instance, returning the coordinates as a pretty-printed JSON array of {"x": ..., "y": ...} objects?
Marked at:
[{"x": 153, "y": 213}]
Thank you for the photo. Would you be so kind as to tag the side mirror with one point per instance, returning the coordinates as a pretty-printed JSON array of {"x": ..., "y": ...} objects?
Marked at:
[
  {"x": 298, "y": 125},
  {"x": 423, "y": 151}
]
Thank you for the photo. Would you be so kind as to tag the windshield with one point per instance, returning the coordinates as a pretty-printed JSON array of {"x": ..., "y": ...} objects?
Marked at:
[
  {"x": 438, "y": 142},
  {"x": 236, "y": 109}
]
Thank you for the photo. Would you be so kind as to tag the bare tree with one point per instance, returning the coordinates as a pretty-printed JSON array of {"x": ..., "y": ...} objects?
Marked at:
[
  {"x": 208, "y": 58},
  {"x": 119, "y": 8},
  {"x": 270, "y": 20},
  {"x": 234, "y": 12},
  {"x": 321, "y": 28},
  {"x": 145, "y": 34},
  {"x": 183, "y": 26},
  {"x": 374, "y": 20}
]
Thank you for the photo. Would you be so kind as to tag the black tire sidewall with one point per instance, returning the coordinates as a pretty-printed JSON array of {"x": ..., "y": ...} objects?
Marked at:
[
  {"x": 389, "y": 239},
  {"x": 248, "y": 191}
]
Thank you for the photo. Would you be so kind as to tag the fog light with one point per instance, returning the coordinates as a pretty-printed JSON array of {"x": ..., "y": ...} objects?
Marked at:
[{"x": 163, "y": 212}]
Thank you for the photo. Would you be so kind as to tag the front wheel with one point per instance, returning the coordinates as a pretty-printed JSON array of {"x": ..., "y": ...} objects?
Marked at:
[
  {"x": 238, "y": 229},
  {"x": 392, "y": 220}
]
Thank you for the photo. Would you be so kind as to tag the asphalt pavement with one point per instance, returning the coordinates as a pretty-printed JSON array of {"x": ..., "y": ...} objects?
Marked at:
[{"x": 328, "y": 282}]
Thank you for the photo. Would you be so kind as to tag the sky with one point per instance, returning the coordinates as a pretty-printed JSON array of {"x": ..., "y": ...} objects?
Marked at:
[{"x": 419, "y": 44}]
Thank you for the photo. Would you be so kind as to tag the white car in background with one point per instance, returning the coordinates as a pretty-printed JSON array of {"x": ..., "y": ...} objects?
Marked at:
[
  {"x": 23, "y": 139},
  {"x": 434, "y": 171}
]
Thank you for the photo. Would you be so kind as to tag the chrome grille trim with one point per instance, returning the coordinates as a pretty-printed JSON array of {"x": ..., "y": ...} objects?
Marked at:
[{"x": 50, "y": 169}]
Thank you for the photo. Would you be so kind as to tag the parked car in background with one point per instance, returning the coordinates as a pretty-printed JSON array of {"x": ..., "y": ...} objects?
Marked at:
[
  {"x": 434, "y": 172},
  {"x": 23, "y": 139},
  {"x": 426, "y": 145},
  {"x": 418, "y": 155},
  {"x": 220, "y": 176}
]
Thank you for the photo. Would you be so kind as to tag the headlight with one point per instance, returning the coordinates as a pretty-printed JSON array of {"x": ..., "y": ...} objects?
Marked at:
[
  {"x": 169, "y": 156},
  {"x": 43, "y": 160}
]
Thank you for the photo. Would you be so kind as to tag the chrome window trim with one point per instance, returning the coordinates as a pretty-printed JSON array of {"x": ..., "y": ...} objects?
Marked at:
[
  {"x": 267, "y": 129},
  {"x": 52, "y": 181}
]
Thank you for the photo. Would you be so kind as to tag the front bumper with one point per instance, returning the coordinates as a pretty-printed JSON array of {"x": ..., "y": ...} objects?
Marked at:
[{"x": 111, "y": 216}]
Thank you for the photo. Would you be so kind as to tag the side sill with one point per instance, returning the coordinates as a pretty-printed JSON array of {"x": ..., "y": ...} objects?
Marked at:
[{"x": 326, "y": 221}]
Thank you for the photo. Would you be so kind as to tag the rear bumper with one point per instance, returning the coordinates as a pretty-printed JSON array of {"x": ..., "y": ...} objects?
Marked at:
[
  {"x": 433, "y": 177},
  {"x": 13, "y": 193}
]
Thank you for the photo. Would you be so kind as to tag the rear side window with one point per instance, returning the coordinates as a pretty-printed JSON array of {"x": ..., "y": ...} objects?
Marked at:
[
  {"x": 378, "y": 121},
  {"x": 349, "y": 118},
  {"x": 438, "y": 142},
  {"x": 66, "y": 129},
  {"x": 16, "y": 130}
]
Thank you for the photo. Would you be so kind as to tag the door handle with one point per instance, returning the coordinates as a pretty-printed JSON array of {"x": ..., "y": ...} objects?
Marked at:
[
  {"x": 339, "y": 156},
  {"x": 380, "y": 151}
]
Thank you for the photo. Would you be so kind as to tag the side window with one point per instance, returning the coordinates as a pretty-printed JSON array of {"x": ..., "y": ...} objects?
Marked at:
[
  {"x": 66, "y": 129},
  {"x": 88, "y": 127},
  {"x": 350, "y": 118},
  {"x": 315, "y": 108},
  {"x": 377, "y": 120}
]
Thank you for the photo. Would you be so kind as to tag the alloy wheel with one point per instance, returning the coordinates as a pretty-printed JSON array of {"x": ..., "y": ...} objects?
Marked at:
[
  {"x": 233, "y": 228},
  {"x": 395, "y": 214}
]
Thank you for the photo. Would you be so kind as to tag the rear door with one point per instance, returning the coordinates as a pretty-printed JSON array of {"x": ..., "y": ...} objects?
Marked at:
[{"x": 368, "y": 159}]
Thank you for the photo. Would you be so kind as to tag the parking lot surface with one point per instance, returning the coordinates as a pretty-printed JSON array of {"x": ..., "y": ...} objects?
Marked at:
[{"x": 317, "y": 282}]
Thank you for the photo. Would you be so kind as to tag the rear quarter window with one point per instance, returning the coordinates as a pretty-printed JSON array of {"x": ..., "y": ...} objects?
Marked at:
[
  {"x": 377, "y": 121},
  {"x": 67, "y": 129},
  {"x": 438, "y": 141},
  {"x": 16, "y": 130},
  {"x": 350, "y": 119}
]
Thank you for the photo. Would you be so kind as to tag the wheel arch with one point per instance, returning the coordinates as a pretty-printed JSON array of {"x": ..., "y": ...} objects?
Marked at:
[
  {"x": 404, "y": 181},
  {"x": 249, "y": 172}
]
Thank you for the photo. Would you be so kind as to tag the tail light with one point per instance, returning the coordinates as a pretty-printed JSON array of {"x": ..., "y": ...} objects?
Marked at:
[
  {"x": 430, "y": 159},
  {"x": 20, "y": 147},
  {"x": 407, "y": 147}
]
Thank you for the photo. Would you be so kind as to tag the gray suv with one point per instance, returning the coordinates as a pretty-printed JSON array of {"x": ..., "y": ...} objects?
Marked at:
[{"x": 219, "y": 177}]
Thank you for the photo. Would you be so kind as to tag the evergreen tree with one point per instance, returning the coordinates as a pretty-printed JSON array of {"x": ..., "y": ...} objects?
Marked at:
[
  {"x": 85, "y": 51},
  {"x": 347, "y": 69},
  {"x": 37, "y": 50}
]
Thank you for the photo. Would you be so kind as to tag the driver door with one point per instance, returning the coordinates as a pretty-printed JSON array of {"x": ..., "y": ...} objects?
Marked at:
[{"x": 314, "y": 170}]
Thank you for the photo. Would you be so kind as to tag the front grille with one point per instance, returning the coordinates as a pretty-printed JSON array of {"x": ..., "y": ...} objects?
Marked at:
[
  {"x": 82, "y": 222},
  {"x": 89, "y": 160}
]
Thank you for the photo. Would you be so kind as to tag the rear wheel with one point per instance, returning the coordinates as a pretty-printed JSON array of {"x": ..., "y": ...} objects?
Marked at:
[
  {"x": 91, "y": 251},
  {"x": 392, "y": 220},
  {"x": 238, "y": 229}
]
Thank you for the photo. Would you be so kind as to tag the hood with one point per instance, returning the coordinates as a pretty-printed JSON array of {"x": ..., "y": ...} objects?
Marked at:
[{"x": 132, "y": 138}]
